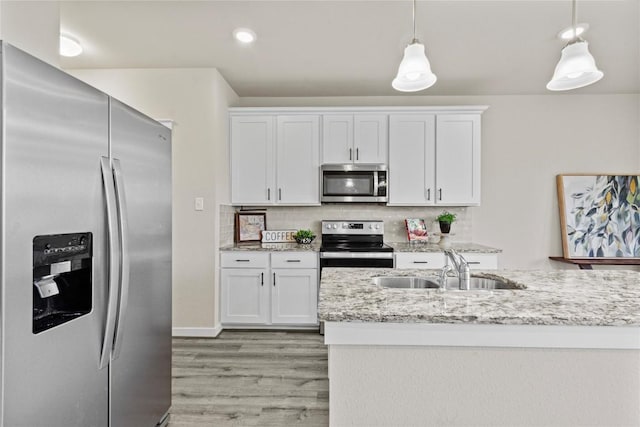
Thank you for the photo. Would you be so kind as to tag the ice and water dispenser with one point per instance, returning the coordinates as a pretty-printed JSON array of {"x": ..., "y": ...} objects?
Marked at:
[{"x": 62, "y": 279}]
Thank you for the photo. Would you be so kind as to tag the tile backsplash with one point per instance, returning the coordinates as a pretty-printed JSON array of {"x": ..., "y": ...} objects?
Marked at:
[{"x": 296, "y": 217}]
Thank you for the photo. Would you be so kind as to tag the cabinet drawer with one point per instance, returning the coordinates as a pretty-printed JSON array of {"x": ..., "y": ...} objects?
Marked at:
[
  {"x": 420, "y": 260},
  {"x": 294, "y": 260},
  {"x": 481, "y": 261},
  {"x": 242, "y": 259}
]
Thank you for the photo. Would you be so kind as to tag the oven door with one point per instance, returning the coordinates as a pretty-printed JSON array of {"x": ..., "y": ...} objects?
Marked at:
[
  {"x": 353, "y": 183},
  {"x": 356, "y": 260}
]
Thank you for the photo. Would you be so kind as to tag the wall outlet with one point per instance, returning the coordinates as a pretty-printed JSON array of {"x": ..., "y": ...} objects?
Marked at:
[{"x": 199, "y": 202}]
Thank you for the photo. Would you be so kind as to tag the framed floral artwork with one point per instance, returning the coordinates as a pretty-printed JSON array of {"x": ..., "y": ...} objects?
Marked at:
[
  {"x": 249, "y": 226},
  {"x": 599, "y": 215}
]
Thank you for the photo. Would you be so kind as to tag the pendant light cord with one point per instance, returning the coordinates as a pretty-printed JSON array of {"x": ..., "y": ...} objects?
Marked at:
[
  {"x": 414, "y": 22},
  {"x": 574, "y": 14}
]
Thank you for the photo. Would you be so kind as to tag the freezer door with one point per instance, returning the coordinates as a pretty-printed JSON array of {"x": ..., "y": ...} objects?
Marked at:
[
  {"x": 55, "y": 131},
  {"x": 141, "y": 369}
]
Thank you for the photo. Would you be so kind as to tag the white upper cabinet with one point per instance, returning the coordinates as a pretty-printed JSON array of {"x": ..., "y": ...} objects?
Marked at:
[
  {"x": 275, "y": 160},
  {"x": 432, "y": 153},
  {"x": 412, "y": 151},
  {"x": 298, "y": 159},
  {"x": 354, "y": 138},
  {"x": 252, "y": 161},
  {"x": 337, "y": 138},
  {"x": 434, "y": 159},
  {"x": 458, "y": 159}
]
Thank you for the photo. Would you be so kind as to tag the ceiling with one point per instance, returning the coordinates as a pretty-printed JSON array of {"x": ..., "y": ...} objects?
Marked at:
[{"x": 353, "y": 47}]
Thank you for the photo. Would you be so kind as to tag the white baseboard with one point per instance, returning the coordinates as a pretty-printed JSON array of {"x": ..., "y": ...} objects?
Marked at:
[{"x": 197, "y": 332}]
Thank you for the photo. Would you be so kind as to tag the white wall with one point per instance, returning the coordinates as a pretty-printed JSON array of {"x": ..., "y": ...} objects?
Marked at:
[
  {"x": 526, "y": 142},
  {"x": 197, "y": 101},
  {"x": 33, "y": 26}
]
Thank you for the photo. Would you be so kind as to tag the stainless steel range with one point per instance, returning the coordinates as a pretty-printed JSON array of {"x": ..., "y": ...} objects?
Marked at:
[{"x": 354, "y": 244}]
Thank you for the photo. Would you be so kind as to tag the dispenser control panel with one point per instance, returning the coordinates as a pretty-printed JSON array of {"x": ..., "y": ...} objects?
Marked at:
[{"x": 54, "y": 248}]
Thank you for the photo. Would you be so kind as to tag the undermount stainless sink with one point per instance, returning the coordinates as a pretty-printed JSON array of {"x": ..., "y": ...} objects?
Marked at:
[
  {"x": 405, "y": 282},
  {"x": 476, "y": 283},
  {"x": 480, "y": 283}
]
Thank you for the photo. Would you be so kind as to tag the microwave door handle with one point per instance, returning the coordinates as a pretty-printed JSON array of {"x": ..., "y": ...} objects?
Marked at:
[{"x": 376, "y": 185}]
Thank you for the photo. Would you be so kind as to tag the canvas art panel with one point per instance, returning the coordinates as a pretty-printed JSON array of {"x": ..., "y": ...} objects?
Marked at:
[
  {"x": 249, "y": 226},
  {"x": 416, "y": 229},
  {"x": 599, "y": 215}
]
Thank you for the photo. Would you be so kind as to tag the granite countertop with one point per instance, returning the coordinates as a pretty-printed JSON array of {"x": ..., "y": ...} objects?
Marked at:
[
  {"x": 434, "y": 247},
  {"x": 559, "y": 297},
  {"x": 273, "y": 247}
]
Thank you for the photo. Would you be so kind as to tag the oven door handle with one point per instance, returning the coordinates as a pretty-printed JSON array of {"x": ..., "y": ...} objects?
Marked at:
[{"x": 352, "y": 255}]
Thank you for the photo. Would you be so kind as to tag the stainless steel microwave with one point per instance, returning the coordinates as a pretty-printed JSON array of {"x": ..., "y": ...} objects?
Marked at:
[{"x": 354, "y": 183}]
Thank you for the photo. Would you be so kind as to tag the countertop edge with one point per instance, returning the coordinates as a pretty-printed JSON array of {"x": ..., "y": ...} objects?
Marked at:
[{"x": 481, "y": 335}]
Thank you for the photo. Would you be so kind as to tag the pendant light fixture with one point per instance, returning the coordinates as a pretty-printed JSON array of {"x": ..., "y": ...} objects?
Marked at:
[
  {"x": 576, "y": 68},
  {"x": 414, "y": 72}
]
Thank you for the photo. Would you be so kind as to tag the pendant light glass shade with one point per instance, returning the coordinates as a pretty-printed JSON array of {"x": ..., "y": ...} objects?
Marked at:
[
  {"x": 576, "y": 68},
  {"x": 414, "y": 72}
]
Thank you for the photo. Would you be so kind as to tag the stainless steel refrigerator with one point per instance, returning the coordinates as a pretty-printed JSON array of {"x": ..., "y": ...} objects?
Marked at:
[{"x": 85, "y": 256}]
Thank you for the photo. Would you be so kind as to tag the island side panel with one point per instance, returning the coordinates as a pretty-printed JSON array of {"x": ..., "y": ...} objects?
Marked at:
[{"x": 456, "y": 386}]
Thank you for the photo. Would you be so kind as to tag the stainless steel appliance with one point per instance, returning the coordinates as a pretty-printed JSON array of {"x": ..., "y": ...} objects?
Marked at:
[
  {"x": 354, "y": 183},
  {"x": 86, "y": 254},
  {"x": 354, "y": 244}
]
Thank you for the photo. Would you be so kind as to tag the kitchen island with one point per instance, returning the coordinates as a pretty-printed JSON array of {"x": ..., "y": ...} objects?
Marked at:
[{"x": 561, "y": 348}]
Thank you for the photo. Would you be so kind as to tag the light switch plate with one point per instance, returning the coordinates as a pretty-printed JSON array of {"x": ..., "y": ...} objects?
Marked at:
[{"x": 199, "y": 202}]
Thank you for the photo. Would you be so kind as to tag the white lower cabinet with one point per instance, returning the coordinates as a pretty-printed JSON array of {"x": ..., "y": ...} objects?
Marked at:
[
  {"x": 420, "y": 260},
  {"x": 426, "y": 260},
  {"x": 244, "y": 296},
  {"x": 294, "y": 297},
  {"x": 262, "y": 288},
  {"x": 479, "y": 261}
]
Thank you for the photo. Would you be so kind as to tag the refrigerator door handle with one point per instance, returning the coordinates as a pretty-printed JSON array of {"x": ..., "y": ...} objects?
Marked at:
[
  {"x": 114, "y": 255},
  {"x": 124, "y": 260}
]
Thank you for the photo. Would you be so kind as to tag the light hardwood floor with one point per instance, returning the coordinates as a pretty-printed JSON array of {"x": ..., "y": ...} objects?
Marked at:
[{"x": 250, "y": 378}]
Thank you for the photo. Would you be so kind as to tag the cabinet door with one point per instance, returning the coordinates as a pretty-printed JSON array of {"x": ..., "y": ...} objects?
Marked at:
[
  {"x": 458, "y": 159},
  {"x": 294, "y": 298},
  {"x": 370, "y": 138},
  {"x": 411, "y": 159},
  {"x": 252, "y": 173},
  {"x": 298, "y": 160},
  {"x": 337, "y": 138},
  {"x": 244, "y": 295}
]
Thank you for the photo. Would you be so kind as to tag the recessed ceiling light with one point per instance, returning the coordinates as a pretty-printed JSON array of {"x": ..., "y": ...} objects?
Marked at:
[
  {"x": 69, "y": 46},
  {"x": 244, "y": 35},
  {"x": 567, "y": 33}
]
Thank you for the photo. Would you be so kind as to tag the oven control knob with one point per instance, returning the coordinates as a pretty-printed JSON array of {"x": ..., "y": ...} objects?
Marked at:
[
  {"x": 344, "y": 225},
  {"x": 335, "y": 226},
  {"x": 377, "y": 227},
  {"x": 327, "y": 226}
]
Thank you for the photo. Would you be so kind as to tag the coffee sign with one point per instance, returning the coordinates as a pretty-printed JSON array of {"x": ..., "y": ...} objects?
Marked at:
[{"x": 278, "y": 236}]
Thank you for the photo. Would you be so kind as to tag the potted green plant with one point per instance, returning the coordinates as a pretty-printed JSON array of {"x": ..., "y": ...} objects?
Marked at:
[
  {"x": 445, "y": 219},
  {"x": 304, "y": 236}
]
